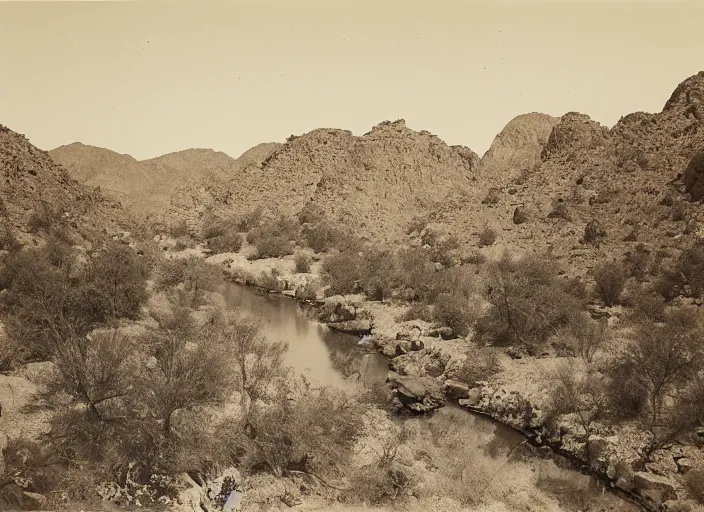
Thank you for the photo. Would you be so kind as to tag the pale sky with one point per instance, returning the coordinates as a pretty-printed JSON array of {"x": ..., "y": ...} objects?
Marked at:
[{"x": 151, "y": 78}]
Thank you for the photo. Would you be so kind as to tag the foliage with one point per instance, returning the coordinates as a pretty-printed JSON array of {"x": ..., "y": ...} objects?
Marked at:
[
  {"x": 586, "y": 336},
  {"x": 487, "y": 237},
  {"x": 189, "y": 278},
  {"x": 179, "y": 229},
  {"x": 528, "y": 302},
  {"x": 417, "y": 312},
  {"x": 306, "y": 429},
  {"x": 594, "y": 233},
  {"x": 43, "y": 217},
  {"x": 303, "y": 262},
  {"x": 454, "y": 311},
  {"x": 610, "y": 278},
  {"x": 274, "y": 239},
  {"x": 480, "y": 364},
  {"x": 691, "y": 267}
]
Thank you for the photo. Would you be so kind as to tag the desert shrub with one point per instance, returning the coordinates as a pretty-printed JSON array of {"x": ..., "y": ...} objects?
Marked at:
[
  {"x": 418, "y": 312},
  {"x": 8, "y": 241},
  {"x": 310, "y": 214},
  {"x": 270, "y": 282},
  {"x": 528, "y": 302},
  {"x": 586, "y": 336},
  {"x": 691, "y": 266},
  {"x": 250, "y": 220},
  {"x": 492, "y": 197},
  {"x": 559, "y": 210},
  {"x": 658, "y": 363},
  {"x": 679, "y": 212},
  {"x": 231, "y": 241},
  {"x": 274, "y": 239},
  {"x": 116, "y": 283},
  {"x": 480, "y": 364},
  {"x": 43, "y": 217},
  {"x": 303, "y": 262},
  {"x": 637, "y": 262},
  {"x": 416, "y": 273},
  {"x": 179, "y": 229},
  {"x": 609, "y": 280},
  {"x": 454, "y": 311},
  {"x": 594, "y": 233},
  {"x": 325, "y": 236},
  {"x": 646, "y": 304},
  {"x": 309, "y": 291},
  {"x": 343, "y": 272},
  {"x": 487, "y": 237},
  {"x": 281, "y": 438},
  {"x": 474, "y": 258},
  {"x": 417, "y": 224},
  {"x": 581, "y": 394},
  {"x": 189, "y": 278}
]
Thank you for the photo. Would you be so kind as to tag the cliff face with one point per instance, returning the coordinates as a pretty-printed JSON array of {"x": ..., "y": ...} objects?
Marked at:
[{"x": 518, "y": 146}]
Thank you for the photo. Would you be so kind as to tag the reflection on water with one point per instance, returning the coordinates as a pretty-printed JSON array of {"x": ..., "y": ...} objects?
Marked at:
[
  {"x": 479, "y": 456},
  {"x": 321, "y": 354}
]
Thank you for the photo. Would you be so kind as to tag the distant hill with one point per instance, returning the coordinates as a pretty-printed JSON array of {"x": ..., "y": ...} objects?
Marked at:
[{"x": 143, "y": 186}]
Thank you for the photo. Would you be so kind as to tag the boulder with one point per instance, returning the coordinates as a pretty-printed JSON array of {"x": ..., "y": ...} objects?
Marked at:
[
  {"x": 655, "y": 488},
  {"x": 474, "y": 397},
  {"x": 694, "y": 177},
  {"x": 419, "y": 394},
  {"x": 445, "y": 333},
  {"x": 456, "y": 390},
  {"x": 520, "y": 215},
  {"x": 33, "y": 501},
  {"x": 417, "y": 345}
]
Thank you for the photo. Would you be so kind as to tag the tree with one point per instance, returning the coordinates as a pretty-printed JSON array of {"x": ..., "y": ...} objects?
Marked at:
[
  {"x": 528, "y": 303},
  {"x": 189, "y": 278},
  {"x": 116, "y": 282},
  {"x": 259, "y": 362},
  {"x": 580, "y": 394},
  {"x": 660, "y": 362},
  {"x": 190, "y": 367}
]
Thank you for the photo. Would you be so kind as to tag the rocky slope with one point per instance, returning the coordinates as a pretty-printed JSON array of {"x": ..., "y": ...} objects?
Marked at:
[
  {"x": 373, "y": 184},
  {"x": 31, "y": 178},
  {"x": 627, "y": 178},
  {"x": 144, "y": 186}
]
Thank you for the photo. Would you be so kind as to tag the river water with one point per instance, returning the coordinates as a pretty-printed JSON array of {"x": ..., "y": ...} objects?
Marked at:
[{"x": 482, "y": 457}]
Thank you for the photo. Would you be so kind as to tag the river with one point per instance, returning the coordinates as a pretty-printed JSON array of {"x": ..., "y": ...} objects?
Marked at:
[{"x": 486, "y": 459}]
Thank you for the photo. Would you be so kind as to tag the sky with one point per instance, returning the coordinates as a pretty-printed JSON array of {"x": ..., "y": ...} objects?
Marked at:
[{"x": 149, "y": 78}]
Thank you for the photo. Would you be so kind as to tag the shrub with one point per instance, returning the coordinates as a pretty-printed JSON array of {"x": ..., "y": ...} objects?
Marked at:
[
  {"x": 487, "y": 237},
  {"x": 179, "y": 229},
  {"x": 303, "y": 262},
  {"x": 691, "y": 265},
  {"x": 310, "y": 214},
  {"x": 325, "y": 236},
  {"x": 274, "y": 239},
  {"x": 587, "y": 336},
  {"x": 269, "y": 281},
  {"x": 594, "y": 233},
  {"x": 637, "y": 262},
  {"x": 230, "y": 241},
  {"x": 309, "y": 291},
  {"x": 609, "y": 278},
  {"x": 492, "y": 197},
  {"x": 528, "y": 302},
  {"x": 343, "y": 272},
  {"x": 454, "y": 311},
  {"x": 480, "y": 364},
  {"x": 250, "y": 220},
  {"x": 559, "y": 211},
  {"x": 42, "y": 218},
  {"x": 417, "y": 224},
  {"x": 189, "y": 278},
  {"x": 418, "y": 312},
  {"x": 8, "y": 241}
]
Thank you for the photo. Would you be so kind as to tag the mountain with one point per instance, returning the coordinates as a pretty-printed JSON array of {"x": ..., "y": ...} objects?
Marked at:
[
  {"x": 374, "y": 184},
  {"x": 518, "y": 146},
  {"x": 143, "y": 186},
  {"x": 31, "y": 178},
  {"x": 628, "y": 179}
]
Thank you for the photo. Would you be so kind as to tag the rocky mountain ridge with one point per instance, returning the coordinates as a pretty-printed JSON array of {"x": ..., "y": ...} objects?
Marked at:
[{"x": 31, "y": 178}]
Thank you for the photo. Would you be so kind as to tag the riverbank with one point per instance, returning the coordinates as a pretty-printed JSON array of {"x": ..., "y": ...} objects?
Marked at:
[{"x": 514, "y": 396}]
